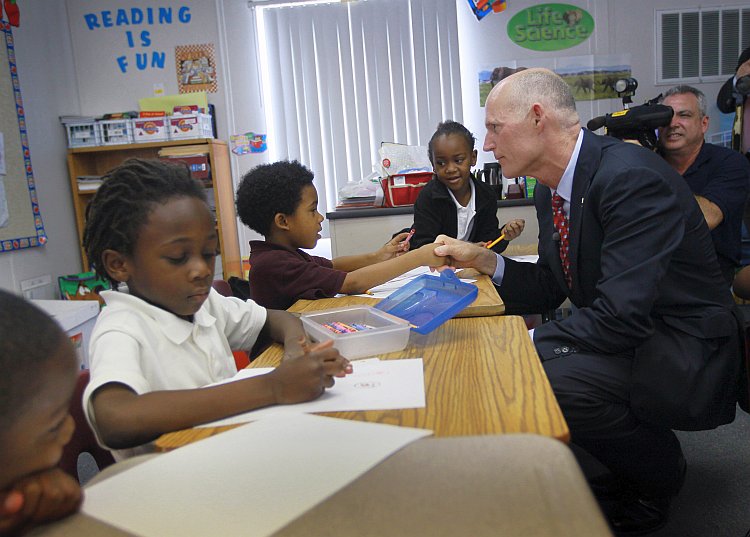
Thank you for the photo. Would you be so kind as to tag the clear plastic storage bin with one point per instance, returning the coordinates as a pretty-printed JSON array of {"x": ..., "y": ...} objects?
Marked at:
[
  {"x": 182, "y": 126},
  {"x": 385, "y": 334},
  {"x": 115, "y": 131},
  {"x": 428, "y": 301},
  {"x": 82, "y": 134}
]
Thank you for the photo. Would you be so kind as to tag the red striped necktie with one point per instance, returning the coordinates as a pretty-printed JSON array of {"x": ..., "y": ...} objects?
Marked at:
[{"x": 561, "y": 226}]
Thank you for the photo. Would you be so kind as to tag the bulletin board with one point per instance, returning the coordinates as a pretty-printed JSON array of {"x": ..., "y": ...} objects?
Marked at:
[{"x": 20, "y": 220}]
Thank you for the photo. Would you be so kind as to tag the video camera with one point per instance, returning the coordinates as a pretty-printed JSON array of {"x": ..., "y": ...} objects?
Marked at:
[{"x": 636, "y": 123}]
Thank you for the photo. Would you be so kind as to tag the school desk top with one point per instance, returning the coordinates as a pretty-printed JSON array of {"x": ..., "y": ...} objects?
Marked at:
[
  {"x": 482, "y": 376},
  {"x": 477, "y": 485},
  {"x": 365, "y": 212},
  {"x": 487, "y": 303}
]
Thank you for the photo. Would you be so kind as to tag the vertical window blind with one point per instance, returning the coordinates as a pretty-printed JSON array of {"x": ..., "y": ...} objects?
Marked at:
[
  {"x": 340, "y": 78},
  {"x": 700, "y": 44}
]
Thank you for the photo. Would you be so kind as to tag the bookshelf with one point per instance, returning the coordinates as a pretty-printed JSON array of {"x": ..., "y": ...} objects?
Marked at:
[{"x": 95, "y": 161}]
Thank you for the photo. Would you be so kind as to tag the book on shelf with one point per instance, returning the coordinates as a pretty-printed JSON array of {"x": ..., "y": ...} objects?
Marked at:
[
  {"x": 198, "y": 165},
  {"x": 356, "y": 202},
  {"x": 88, "y": 183},
  {"x": 184, "y": 150}
]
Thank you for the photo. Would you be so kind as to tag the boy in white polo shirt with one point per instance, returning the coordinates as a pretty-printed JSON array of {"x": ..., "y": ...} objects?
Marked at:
[{"x": 165, "y": 332}]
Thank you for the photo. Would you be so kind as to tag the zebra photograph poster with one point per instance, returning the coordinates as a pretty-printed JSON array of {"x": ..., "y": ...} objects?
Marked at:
[{"x": 589, "y": 77}]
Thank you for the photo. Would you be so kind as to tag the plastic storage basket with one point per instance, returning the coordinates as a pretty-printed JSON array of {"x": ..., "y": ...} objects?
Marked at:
[
  {"x": 115, "y": 131},
  {"x": 182, "y": 126},
  {"x": 402, "y": 189},
  {"x": 150, "y": 129},
  {"x": 428, "y": 301},
  {"x": 82, "y": 134},
  {"x": 385, "y": 333}
]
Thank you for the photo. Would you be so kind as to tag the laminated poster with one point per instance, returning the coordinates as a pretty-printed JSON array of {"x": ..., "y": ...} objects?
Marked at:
[
  {"x": 196, "y": 68},
  {"x": 250, "y": 142},
  {"x": 481, "y": 8}
]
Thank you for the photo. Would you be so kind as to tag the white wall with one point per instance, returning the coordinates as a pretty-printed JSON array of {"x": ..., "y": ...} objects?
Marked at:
[
  {"x": 227, "y": 24},
  {"x": 485, "y": 43},
  {"x": 633, "y": 28},
  {"x": 246, "y": 100},
  {"x": 619, "y": 27},
  {"x": 48, "y": 87},
  {"x": 65, "y": 68}
]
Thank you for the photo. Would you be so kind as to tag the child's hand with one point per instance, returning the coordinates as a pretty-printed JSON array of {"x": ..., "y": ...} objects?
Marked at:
[
  {"x": 513, "y": 228},
  {"x": 295, "y": 346},
  {"x": 428, "y": 258},
  {"x": 306, "y": 377},
  {"x": 37, "y": 499},
  {"x": 393, "y": 248}
]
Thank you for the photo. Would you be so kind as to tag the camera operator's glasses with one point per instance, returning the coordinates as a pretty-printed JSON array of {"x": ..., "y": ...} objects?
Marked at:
[{"x": 626, "y": 85}]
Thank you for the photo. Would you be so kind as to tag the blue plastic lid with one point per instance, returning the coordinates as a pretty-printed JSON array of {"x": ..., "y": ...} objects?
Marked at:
[{"x": 428, "y": 301}]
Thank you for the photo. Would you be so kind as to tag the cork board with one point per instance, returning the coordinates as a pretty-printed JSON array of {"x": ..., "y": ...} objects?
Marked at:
[{"x": 20, "y": 220}]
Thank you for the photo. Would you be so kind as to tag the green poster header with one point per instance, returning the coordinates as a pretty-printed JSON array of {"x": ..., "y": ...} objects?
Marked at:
[{"x": 550, "y": 27}]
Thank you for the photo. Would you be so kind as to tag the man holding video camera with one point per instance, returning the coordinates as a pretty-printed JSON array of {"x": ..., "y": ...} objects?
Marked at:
[
  {"x": 733, "y": 97},
  {"x": 718, "y": 177}
]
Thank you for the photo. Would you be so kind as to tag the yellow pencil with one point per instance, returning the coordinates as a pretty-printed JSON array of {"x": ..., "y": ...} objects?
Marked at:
[{"x": 493, "y": 243}]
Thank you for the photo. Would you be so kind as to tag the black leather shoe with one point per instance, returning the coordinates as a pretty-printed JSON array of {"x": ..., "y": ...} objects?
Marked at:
[
  {"x": 638, "y": 516},
  {"x": 628, "y": 512}
]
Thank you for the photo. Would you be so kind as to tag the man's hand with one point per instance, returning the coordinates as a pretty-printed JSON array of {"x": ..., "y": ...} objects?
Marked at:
[{"x": 466, "y": 255}]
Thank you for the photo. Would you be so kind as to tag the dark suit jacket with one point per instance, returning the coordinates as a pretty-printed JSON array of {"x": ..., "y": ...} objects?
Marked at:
[{"x": 645, "y": 282}]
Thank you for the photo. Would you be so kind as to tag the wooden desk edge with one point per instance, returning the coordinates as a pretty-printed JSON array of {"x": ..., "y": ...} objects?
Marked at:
[
  {"x": 169, "y": 441},
  {"x": 487, "y": 307}
]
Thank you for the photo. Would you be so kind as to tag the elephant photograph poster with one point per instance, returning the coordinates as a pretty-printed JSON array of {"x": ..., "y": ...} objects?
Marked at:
[{"x": 589, "y": 77}]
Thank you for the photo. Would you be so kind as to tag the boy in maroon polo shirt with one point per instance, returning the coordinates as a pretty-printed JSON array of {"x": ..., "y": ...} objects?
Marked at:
[{"x": 279, "y": 201}]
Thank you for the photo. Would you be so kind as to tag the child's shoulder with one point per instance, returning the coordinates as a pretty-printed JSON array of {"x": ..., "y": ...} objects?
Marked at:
[
  {"x": 275, "y": 258},
  {"x": 275, "y": 250},
  {"x": 126, "y": 313},
  {"x": 433, "y": 190}
]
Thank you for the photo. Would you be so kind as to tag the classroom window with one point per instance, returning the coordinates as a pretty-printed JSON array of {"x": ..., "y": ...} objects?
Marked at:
[
  {"x": 701, "y": 44},
  {"x": 340, "y": 78}
]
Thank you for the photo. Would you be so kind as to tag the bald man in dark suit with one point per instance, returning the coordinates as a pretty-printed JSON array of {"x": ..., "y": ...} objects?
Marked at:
[{"x": 652, "y": 343}]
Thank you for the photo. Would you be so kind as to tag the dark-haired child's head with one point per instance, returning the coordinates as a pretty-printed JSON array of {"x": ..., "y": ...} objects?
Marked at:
[
  {"x": 451, "y": 128},
  {"x": 37, "y": 378},
  {"x": 149, "y": 226},
  {"x": 452, "y": 154},
  {"x": 280, "y": 202}
]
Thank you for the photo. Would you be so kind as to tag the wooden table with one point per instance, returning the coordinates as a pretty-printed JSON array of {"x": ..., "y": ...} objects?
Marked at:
[
  {"x": 482, "y": 376},
  {"x": 488, "y": 302}
]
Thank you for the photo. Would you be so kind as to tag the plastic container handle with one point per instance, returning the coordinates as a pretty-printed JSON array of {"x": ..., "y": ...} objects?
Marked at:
[{"x": 450, "y": 276}]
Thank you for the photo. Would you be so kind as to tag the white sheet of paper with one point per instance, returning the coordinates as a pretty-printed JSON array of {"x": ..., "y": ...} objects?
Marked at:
[
  {"x": 374, "y": 385},
  {"x": 524, "y": 258},
  {"x": 385, "y": 289},
  {"x": 250, "y": 481}
]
